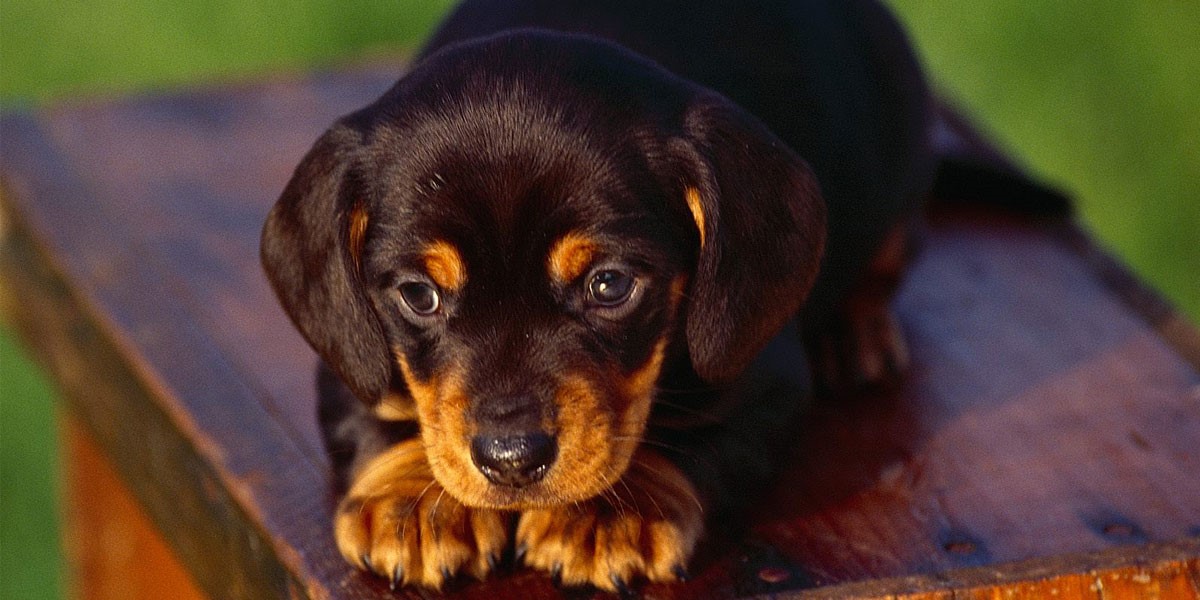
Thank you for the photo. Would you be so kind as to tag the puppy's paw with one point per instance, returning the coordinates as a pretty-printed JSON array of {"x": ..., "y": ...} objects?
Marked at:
[
  {"x": 864, "y": 350},
  {"x": 647, "y": 525},
  {"x": 862, "y": 346},
  {"x": 397, "y": 522}
]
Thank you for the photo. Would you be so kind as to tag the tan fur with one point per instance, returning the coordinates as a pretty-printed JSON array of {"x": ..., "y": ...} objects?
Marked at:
[
  {"x": 597, "y": 435},
  {"x": 393, "y": 407},
  {"x": 621, "y": 521},
  {"x": 648, "y": 522},
  {"x": 441, "y": 406},
  {"x": 692, "y": 196},
  {"x": 445, "y": 265},
  {"x": 585, "y": 429},
  {"x": 606, "y": 508},
  {"x": 398, "y": 522},
  {"x": 597, "y": 440},
  {"x": 570, "y": 256},
  {"x": 356, "y": 233},
  {"x": 639, "y": 385}
]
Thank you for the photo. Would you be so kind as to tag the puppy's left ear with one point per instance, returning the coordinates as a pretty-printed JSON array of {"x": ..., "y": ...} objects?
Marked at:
[
  {"x": 308, "y": 253},
  {"x": 761, "y": 224}
]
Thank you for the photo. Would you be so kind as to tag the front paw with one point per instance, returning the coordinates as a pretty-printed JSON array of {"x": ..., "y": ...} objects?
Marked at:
[
  {"x": 647, "y": 525},
  {"x": 861, "y": 347},
  {"x": 396, "y": 521},
  {"x": 863, "y": 350}
]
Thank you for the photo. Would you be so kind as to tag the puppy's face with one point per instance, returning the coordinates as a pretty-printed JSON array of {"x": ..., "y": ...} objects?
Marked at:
[
  {"x": 528, "y": 293},
  {"x": 516, "y": 242}
]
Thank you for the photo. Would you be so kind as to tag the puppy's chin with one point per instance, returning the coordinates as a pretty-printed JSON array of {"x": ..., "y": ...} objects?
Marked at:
[
  {"x": 559, "y": 486},
  {"x": 599, "y": 424},
  {"x": 597, "y": 439},
  {"x": 597, "y": 433}
]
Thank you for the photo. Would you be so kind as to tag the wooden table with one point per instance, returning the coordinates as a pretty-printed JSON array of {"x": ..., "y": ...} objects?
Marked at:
[{"x": 1047, "y": 439}]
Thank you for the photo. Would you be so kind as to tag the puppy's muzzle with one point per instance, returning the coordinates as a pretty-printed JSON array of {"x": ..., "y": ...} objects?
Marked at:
[{"x": 511, "y": 448}]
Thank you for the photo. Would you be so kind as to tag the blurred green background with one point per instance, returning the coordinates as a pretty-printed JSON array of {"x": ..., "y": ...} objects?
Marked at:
[{"x": 1098, "y": 97}]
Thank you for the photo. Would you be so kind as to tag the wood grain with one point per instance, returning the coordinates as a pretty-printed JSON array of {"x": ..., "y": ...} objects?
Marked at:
[
  {"x": 1048, "y": 437},
  {"x": 113, "y": 552}
]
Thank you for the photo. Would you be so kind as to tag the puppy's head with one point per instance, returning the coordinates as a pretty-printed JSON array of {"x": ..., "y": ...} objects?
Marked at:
[{"x": 515, "y": 241}]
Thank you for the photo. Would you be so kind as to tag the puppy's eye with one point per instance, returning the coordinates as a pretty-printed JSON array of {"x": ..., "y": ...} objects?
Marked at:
[
  {"x": 420, "y": 297},
  {"x": 609, "y": 288}
]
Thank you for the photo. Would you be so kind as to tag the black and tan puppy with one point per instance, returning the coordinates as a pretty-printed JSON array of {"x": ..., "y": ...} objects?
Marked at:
[{"x": 552, "y": 265}]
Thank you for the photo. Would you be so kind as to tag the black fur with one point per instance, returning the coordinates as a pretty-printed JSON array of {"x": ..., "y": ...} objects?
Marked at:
[{"x": 524, "y": 120}]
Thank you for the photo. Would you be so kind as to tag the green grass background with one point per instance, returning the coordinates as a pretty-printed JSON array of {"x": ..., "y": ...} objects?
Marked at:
[{"x": 1098, "y": 96}]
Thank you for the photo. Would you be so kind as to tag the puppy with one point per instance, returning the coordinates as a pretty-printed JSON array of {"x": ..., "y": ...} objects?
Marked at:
[{"x": 555, "y": 273}]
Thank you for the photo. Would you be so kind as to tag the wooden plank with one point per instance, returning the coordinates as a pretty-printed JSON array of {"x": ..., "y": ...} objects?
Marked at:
[
  {"x": 133, "y": 275},
  {"x": 113, "y": 551},
  {"x": 174, "y": 469},
  {"x": 1042, "y": 418},
  {"x": 1050, "y": 414},
  {"x": 1166, "y": 571}
]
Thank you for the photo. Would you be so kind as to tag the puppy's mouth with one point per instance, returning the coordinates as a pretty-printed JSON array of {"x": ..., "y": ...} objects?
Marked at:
[
  {"x": 529, "y": 470},
  {"x": 584, "y": 450},
  {"x": 586, "y": 447}
]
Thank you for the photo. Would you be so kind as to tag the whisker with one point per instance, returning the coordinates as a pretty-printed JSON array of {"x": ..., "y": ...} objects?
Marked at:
[
  {"x": 632, "y": 498},
  {"x": 701, "y": 417},
  {"x": 436, "y": 505},
  {"x": 412, "y": 507},
  {"x": 658, "y": 476},
  {"x": 649, "y": 442},
  {"x": 684, "y": 453},
  {"x": 682, "y": 390},
  {"x": 610, "y": 491},
  {"x": 651, "y": 496},
  {"x": 389, "y": 459}
]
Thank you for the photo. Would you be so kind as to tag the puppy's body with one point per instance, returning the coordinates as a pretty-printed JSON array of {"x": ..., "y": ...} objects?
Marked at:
[
  {"x": 551, "y": 271},
  {"x": 833, "y": 79}
]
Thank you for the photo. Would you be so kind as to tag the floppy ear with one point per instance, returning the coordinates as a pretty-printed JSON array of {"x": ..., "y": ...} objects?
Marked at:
[
  {"x": 307, "y": 257},
  {"x": 761, "y": 220}
]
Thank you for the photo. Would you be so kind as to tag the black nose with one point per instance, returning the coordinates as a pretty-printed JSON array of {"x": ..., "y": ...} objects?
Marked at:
[{"x": 514, "y": 460}]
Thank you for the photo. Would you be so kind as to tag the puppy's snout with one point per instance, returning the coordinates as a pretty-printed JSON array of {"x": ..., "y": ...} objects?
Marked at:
[{"x": 514, "y": 460}]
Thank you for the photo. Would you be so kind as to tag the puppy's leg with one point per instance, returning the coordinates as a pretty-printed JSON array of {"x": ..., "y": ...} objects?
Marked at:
[
  {"x": 862, "y": 345},
  {"x": 705, "y": 456},
  {"x": 647, "y": 524},
  {"x": 394, "y": 519}
]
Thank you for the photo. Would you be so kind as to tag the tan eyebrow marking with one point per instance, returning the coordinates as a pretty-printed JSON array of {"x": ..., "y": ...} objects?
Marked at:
[
  {"x": 692, "y": 196},
  {"x": 356, "y": 232},
  {"x": 445, "y": 265},
  {"x": 570, "y": 256}
]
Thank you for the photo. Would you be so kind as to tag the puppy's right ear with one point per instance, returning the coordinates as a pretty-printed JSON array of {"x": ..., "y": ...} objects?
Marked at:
[
  {"x": 306, "y": 252},
  {"x": 761, "y": 221}
]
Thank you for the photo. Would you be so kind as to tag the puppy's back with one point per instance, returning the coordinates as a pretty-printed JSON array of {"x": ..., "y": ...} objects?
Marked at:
[{"x": 835, "y": 79}]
